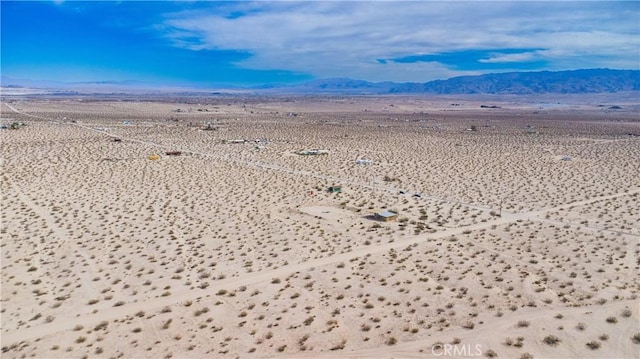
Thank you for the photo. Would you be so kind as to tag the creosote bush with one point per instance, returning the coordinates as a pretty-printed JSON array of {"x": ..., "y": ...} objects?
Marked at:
[{"x": 551, "y": 340}]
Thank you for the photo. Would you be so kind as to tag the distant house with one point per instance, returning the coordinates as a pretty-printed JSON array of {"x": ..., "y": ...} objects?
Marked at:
[
  {"x": 334, "y": 189},
  {"x": 312, "y": 152},
  {"x": 209, "y": 127},
  {"x": 386, "y": 216}
]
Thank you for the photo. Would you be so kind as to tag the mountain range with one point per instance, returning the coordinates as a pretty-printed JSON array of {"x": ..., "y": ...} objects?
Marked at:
[
  {"x": 517, "y": 83},
  {"x": 566, "y": 82}
]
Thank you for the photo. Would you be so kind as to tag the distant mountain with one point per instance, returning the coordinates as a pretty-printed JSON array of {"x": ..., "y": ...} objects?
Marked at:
[
  {"x": 520, "y": 83},
  {"x": 339, "y": 84},
  {"x": 578, "y": 81},
  {"x": 566, "y": 82}
]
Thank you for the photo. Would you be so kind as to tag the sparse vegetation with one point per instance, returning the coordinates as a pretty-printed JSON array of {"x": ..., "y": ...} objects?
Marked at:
[
  {"x": 523, "y": 324},
  {"x": 551, "y": 340},
  {"x": 593, "y": 345},
  {"x": 229, "y": 250}
]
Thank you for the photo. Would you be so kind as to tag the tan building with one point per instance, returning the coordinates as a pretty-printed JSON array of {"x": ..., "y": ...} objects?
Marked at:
[{"x": 386, "y": 216}]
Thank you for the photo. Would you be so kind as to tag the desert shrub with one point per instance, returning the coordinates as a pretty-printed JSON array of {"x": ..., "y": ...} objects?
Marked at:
[
  {"x": 468, "y": 325},
  {"x": 199, "y": 312},
  {"x": 593, "y": 345},
  {"x": 551, "y": 340},
  {"x": 508, "y": 342},
  {"x": 523, "y": 323},
  {"x": 340, "y": 345}
]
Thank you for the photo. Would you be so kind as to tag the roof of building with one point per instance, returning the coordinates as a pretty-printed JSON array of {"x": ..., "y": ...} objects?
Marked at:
[{"x": 386, "y": 214}]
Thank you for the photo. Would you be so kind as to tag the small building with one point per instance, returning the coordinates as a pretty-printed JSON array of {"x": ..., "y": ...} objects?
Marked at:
[
  {"x": 386, "y": 216},
  {"x": 363, "y": 161},
  {"x": 566, "y": 158},
  {"x": 173, "y": 153},
  {"x": 334, "y": 189},
  {"x": 312, "y": 152},
  {"x": 116, "y": 139}
]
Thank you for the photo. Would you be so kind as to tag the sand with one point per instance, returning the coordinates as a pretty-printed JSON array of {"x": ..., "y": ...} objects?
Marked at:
[{"x": 517, "y": 230}]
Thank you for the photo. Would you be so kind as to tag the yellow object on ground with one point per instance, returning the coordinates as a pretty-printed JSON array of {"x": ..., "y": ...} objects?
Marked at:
[{"x": 154, "y": 157}]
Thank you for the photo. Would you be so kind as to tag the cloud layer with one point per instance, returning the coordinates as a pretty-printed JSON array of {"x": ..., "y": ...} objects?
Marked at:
[
  {"x": 207, "y": 43},
  {"x": 414, "y": 41}
]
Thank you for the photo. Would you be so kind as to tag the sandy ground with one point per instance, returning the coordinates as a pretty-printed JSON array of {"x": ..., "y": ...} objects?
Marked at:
[{"x": 517, "y": 230}]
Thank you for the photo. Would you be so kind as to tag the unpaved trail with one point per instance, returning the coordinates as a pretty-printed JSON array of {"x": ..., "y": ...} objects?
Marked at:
[
  {"x": 90, "y": 319},
  {"x": 230, "y": 283}
]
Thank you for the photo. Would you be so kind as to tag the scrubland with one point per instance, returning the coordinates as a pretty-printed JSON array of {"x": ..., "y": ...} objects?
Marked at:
[{"x": 517, "y": 230}]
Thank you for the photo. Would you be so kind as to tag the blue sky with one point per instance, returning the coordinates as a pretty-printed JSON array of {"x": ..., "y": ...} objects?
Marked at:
[{"x": 212, "y": 43}]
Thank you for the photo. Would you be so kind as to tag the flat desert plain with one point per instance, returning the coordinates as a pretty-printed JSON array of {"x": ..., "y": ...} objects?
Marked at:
[{"x": 193, "y": 227}]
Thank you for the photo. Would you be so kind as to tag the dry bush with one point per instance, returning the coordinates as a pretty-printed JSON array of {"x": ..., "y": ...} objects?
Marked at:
[
  {"x": 551, "y": 340},
  {"x": 593, "y": 345}
]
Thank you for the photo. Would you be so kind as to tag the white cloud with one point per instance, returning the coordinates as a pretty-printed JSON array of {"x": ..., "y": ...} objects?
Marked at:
[
  {"x": 506, "y": 58},
  {"x": 331, "y": 39}
]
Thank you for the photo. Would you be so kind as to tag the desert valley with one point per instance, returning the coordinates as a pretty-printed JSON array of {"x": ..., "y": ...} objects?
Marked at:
[{"x": 320, "y": 226}]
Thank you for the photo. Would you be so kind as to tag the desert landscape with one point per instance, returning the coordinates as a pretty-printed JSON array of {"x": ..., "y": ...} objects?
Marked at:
[{"x": 320, "y": 226}]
